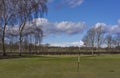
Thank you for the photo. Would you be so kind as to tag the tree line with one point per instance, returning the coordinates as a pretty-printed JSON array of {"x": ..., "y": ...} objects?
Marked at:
[
  {"x": 97, "y": 37},
  {"x": 20, "y": 13}
]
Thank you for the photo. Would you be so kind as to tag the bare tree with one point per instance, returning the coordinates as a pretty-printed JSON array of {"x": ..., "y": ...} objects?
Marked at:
[
  {"x": 27, "y": 10},
  {"x": 91, "y": 34},
  {"x": 89, "y": 38},
  {"x": 19, "y": 12},
  {"x": 117, "y": 39},
  {"x": 99, "y": 36},
  {"x": 109, "y": 40},
  {"x": 38, "y": 36},
  {"x": 7, "y": 13},
  {"x": 86, "y": 41},
  {"x": 94, "y": 37},
  {"x": 33, "y": 34},
  {"x": 0, "y": 35}
]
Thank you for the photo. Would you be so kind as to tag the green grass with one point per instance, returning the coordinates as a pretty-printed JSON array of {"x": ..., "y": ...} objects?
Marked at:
[{"x": 104, "y": 66}]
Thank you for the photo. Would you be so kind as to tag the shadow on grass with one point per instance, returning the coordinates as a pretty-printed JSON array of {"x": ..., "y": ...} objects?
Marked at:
[
  {"x": 22, "y": 56},
  {"x": 13, "y": 56}
]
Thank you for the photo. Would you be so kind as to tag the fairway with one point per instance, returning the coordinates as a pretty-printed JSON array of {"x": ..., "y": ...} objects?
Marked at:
[{"x": 104, "y": 66}]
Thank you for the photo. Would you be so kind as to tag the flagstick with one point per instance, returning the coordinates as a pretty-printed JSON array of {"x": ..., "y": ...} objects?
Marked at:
[{"x": 78, "y": 60}]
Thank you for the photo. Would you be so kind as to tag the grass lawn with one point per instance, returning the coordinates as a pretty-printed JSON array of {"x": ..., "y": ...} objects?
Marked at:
[{"x": 104, "y": 66}]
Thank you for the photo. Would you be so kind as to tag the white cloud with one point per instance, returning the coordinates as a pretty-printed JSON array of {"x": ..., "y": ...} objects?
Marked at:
[
  {"x": 103, "y": 26},
  {"x": 40, "y": 21},
  {"x": 73, "y": 3},
  {"x": 68, "y": 27},
  {"x": 97, "y": 25},
  {"x": 67, "y": 44},
  {"x": 113, "y": 29},
  {"x": 68, "y": 3},
  {"x": 64, "y": 27}
]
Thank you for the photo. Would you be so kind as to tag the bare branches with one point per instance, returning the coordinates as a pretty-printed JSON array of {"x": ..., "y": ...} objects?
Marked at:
[
  {"x": 94, "y": 37},
  {"x": 7, "y": 12},
  {"x": 19, "y": 12}
]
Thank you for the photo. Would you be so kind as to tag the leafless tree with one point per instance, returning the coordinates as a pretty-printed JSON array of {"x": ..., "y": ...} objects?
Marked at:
[
  {"x": 91, "y": 34},
  {"x": 99, "y": 36},
  {"x": 117, "y": 39},
  {"x": 7, "y": 13},
  {"x": 19, "y": 12},
  {"x": 94, "y": 37},
  {"x": 109, "y": 40},
  {"x": 0, "y": 35},
  {"x": 89, "y": 38},
  {"x": 27, "y": 10},
  {"x": 38, "y": 36},
  {"x": 86, "y": 41},
  {"x": 33, "y": 35}
]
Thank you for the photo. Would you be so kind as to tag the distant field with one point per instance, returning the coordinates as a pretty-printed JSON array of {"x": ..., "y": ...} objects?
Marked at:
[{"x": 104, "y": 66}]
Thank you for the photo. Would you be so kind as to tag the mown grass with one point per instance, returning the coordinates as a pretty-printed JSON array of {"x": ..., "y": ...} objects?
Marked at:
[{"x": 104, "y": 66}]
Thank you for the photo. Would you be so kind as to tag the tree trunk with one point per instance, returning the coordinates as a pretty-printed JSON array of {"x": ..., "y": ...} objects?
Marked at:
[
  {"x": 20, "y": 38},
  {"x": 3, "y": 42},
  {"x": 20, "y": 44},
  {"x": 3, "y": 47}
]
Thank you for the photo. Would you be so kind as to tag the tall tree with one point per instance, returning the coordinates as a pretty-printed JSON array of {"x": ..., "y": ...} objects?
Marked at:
[
  {"x": 99, "y": 36},
  {"x": 89, "y": 38},
  {"x": 7, "y": 13},
  {"x": 27, "y": 10},
  {"x": 109, "y": 40},
  {"x": 19, "y": 12},
  {"x": 86, "y": 41},
  {"x": 117, "y": 39}
]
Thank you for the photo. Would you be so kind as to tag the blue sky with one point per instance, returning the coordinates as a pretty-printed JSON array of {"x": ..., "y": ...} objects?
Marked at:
[{"x": 72, "y": 18}]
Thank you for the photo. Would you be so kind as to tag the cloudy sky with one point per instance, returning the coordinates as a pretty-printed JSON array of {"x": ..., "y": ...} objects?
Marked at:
[{"x": 67, "y": 20}]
